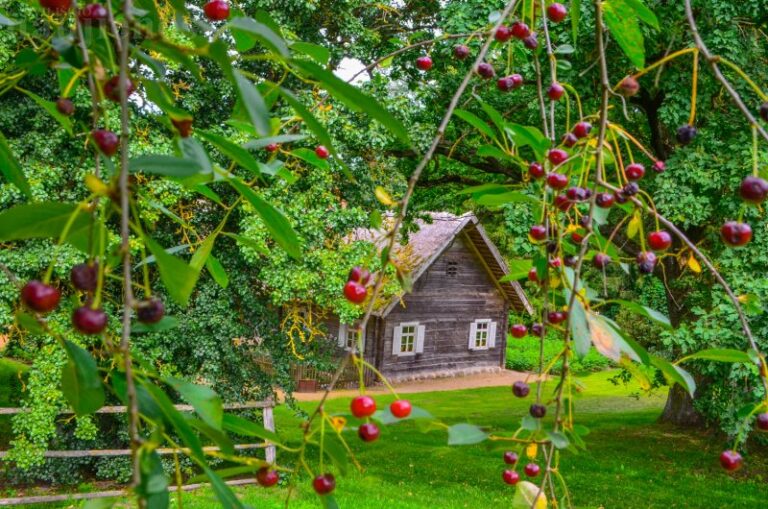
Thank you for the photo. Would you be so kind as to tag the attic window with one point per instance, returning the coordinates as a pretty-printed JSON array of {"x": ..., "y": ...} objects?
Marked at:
[{"x": 452, "y": 269}]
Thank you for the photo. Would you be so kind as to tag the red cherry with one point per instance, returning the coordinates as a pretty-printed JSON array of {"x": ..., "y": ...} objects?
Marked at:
[
  {"x": 536, "y": 170},
  {"x": 556, "y": 316},
  {"x": 88, "y": 320},
  {"x": 532, "y": 470},
  {"x": 216, "y": 10},
  {"x": 563, "y": 203},
  {"x": 267, "y": 477},
  {"x": 92, "y": 14},
  {"x": 764, "y": 111},
  {"x": 577, "y": 237},
  {"x": 362, "y": 406},
  {"x": 518, "y": 330},
  {"x": 400, "y": 408},
  {"x": 183, "y": 126},
  {"x": 557, "y": 156},
  {"x": 646, "y": 261},
  {"x": 753, "y": 189},
  {"x": 56, "y": 6},
  {"x": 424, "y": 63},
  {"x": 569, "y": 140},
  {"x": 510, "y": 458},
  {"x": 537, "y": 411},
  {"x": 557, "y": 180},
  {"x": 556, "y": 12},
  {"x": 577, "y": 194},
  {"x": 582, "y": 129},
  {"x": 762, "y": 421},
  {"x": 355, "y": 292},
  {"x": 531, "y": 42},
  {"x": 532, "y": 275},
  {"x": 324, "y": 484},
  {"x": 360, "y": 275},
  {"x": 368, "y": 432},
  {"x": 322, "y": 152},
  {"x": 85, "y": 276},
  {"x": 107, "y": 141},
  {"x": 555, "y": 92},
  {"x": 520, "y": 30},
  {"x": 510, "y": 477},
  {"x": 460, "y": 52},
  {"x": 520, "y": 389},
  {"x": 503, "y": 33},
  {"x": 65, "y": 106},
  {"x": 555, "y": 263},
  {"x": 537, "y": 329},
  {"x": 505, "y": 84},
  {"x": 659, "y": 166},
  {"x": 486, "y": 71},
  {"x": 736, "y": 234},
  {"x": 604, "y": 200},
  {"x": 731, "y": 460},
  {"x": 635, "y": 171},
  {"x": 150, "y": 310},
  {"x": 659, "y": 240},
  {"x": 517, "y": 80},
  {"x": 570, "y": 261},
  {"x": 601, "y": 260},
  {"x": 272, "y": 147},
  {"x": 40, "y": 297},
  {"x": 629, "y": 86},
  {"x": 112, "y": 88},
  {"x": 538, "y": 232}
]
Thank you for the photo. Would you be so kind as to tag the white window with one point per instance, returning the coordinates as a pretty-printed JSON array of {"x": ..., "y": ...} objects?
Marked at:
[
  {"x": 482, "y": 334},
  {"x": 408, "y": 339},
  {"x": 348, "y": 337}
]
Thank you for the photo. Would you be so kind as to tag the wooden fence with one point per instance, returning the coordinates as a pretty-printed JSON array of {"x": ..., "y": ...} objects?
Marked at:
[{"x": 266, "y": 406}]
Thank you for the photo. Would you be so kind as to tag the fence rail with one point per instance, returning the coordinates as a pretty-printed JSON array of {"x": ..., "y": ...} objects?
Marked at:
[{"x": 266, "y": 407}]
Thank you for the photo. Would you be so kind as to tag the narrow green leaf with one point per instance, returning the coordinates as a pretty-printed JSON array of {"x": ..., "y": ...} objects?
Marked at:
[
  {"x": 575, "y": 14},
  {"x": 40, "y": 220},
  {"x": 580, "y": 328},
  {"x": 254, "y": 104},
  {"x": 233, "y": 151},
  {"x": 313, "y": 124},
  {"x": 675, "y": 374},
  {"x": 645, "y": 311},
  {"x": 720, "y": 354},
  {"x": 320, "y": 54},
  {"x": 309, "y": 156},
  {"x": 465, "y": 434},
  {"x": 528, "y": 136},
  {"x": 263, "y": 142},
  {"x": 518, "y": 269},
  {"x": 329, "y": 502},
  {"x": 8, "y": 22},
  {"x": 169, "y": 166},
  {"x": 178, "y": 277},
  {"x": 262, "y": 33},
  {"x": 644, "y": 13},
  {"x": 335, "y": 450},
  {"x": 476, "y": 122},
  {"x": 353, "y": 98},
  {"x": 621, "y": 20},
  {"x": 206, "y": 402},
  {"x": 494, "y": 115},
  {"x": 274, "y": 220},
  {"x": 246, "y": 428},
  {"x": 171, "y": 52},
  {"x": 217, "y": 271},
  {"x": 50, "y": 107},
  {"x": 559, "y": 440},
  {"x": 203, "y": 251},
  {"x": 80, "y": 381},
  {"x": 11, "y": 169},
  {"x": 177, "y": 421},
  {"x": 222, "y": 490}
]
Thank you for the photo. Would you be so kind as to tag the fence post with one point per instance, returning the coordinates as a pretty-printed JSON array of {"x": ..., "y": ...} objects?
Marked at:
[{"x": 269, "y": 424}]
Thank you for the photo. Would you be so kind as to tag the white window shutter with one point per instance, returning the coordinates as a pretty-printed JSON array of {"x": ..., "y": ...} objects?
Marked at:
[
  {"x": 472, "y": 335},
  {"x": 492, "y": 335},
  {"x": 421, "y": 329},
  {"x": 396, "y": 340},
  {"x": 342, "y": 335}
]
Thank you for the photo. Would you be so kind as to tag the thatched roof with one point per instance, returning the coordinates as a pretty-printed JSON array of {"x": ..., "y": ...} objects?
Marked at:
[{"x": 430, "y": 241}]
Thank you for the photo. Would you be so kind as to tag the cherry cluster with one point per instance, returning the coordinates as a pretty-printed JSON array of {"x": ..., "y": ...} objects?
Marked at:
[
  {"x": 356, "y": 289},
  {"x": 94, "y": 13},
  {"x": 510, "y": 475}
]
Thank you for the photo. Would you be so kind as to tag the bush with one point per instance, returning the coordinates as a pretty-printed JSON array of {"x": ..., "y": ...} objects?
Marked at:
[{"x": 523, "y": 355}]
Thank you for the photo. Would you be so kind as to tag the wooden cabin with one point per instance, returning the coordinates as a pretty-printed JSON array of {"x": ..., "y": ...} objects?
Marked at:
[{"x": 454, "y": 321}]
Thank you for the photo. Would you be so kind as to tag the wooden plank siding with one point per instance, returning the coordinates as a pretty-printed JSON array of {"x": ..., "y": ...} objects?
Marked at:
[{"x": 447, "y": 305}]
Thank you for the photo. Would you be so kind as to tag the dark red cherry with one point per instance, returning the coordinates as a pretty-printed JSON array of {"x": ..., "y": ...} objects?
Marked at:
[
  {"x": 629, "y": 86},
  {"x": 601, "y": 260},
  {"x": 686, "y": 134},
  {"x": 557, "y": 180},
  {"x": 577, "y": 194},
  {"x": 532, "y": 470},
  {"x": 324, "y": 484},
  {"x": 563, "y": 203},
  {"x": 762, "y": 421},
  {"x": 400, "y": 408},
  {"x": 570, "y": 261},
  {"x": 65, "y": 106},
  {"x": 630, "y": 189},
  {"x": 92, "y": 14},
  {"x": 531, "y": 42},
  {"x": 659, "y": 166},
  {"x": 368, "y": 432},
  {"x": 40, "y": 297},
  {"x": 355, "y": 292},
  {"x": 557, "y": 156},
  {"x": 322, "y": 152},
  {"x": 88, "y": 320},
  {"x": 107, "y": 141},
  {"x": 538, "y": 232},
  {"x": 582, "y": 129},
  {"x": 518, "y": 330},
  {"x": 272, "y": 147},
  {"x": 267, "y": 477},
  {"x": 556, "y": 12},
  {"x": 112, "y": 88},
  {"x": 510, "y": 458},
  {"x": 503, "y": 33},
  {"x": 646, "y": 261},
  {"x": 510, "y": 477},
  {"x": 460, "y": 52},
  {"x": 555, "y": 91},
  {"x": 485, "y": 70},
  {"x": 536, "y": 170},
  {"x": 362, "y": 406},
  {"x": 736, "y": 234},
  {"x": 360, "y": 275},
  {"x": 505, "y": 84},
  {"x": 620, "y": 197},
  {"x": 569, "y": 140},
  {"x": 604, "y": 200},
  {"x": 533, "y": 275},
  {"x": 56, "y": 6},
  {"x": 731, "y": 460},
  {"x": 764, "y": 111},
  {"x": 520, "y": 30},
  {"x": 538, "y": 411},
  {"x": 150, "y": 310},
  {"x": 216, "y": 10},
  {"x": 635, "y": 171},
  {"x": 753, "y": 189},
  {"x": 520, "y": 389},
  {"x": 659, "y": 240},
  {"x": 424, "y": 63},
  {"x": 537, "y": 329},
  {"x": 85, "y": 276},
  {"x": 183, "y": 126}
]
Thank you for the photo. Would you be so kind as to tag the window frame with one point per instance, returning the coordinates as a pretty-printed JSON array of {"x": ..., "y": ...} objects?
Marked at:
[
  {"x": 418, "y": 339},
  {"x": 342, "y": 338},
  {"x": 490, "y": 340}
]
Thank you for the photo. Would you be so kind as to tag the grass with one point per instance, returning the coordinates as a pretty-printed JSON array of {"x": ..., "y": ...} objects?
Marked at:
[{"x": 632, "y": 461}]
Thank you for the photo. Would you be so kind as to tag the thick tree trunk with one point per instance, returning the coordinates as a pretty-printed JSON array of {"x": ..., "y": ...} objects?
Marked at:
[{"x": 679, "y": 408}]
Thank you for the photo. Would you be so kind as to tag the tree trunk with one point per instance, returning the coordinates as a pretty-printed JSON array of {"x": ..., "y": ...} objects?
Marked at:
[{"x": 679, "y": 408}]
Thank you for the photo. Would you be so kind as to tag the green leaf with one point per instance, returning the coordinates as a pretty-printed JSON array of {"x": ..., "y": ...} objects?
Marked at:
[
  {"x": 606, "y": 340},
  {"x": 263, "y": 142},
  {"x": 482, "y": 189},
  {"x": 476, "y": 122},
  {"x": 645, "y": 311},
  {"x": 178, "y": 277},
  {"x": 559, "y": 440},
  {"x": 11, "y": 169},
  {"x": 329, "y": 502},
  {"x": 335, "y": 450},
  {"x": 233, "y": 151},
  {"x": 254, "y": 104},
  {"x": 564, "y": 49},
  {"x": 40, "y": 220},
  {"x": 518, "y": 269},
  {"x": 246, "y": 428},
  {"x": 309, "y": 156},
  {"x": 528, "y": 136},
  {"x": 262, "y": 33},
  {"x": 173, "y": 53},
  {"x": 203, "y": 251},
  {"x": 165, "y": 323},
  {"x": 193, "y": 150},
  {"x": 177, "y": 421},
  {"x": 169, "y": 166},
  {"x": 7, "y": 22},
  {"x": 50, "y": 107},
  {"x": 274, "y": 220},
  {"x": 217, "y": 271},
  {"x": 206, "y": 402},
  {"x": 529, "y": 496},
  {"x": 675, "y": 374},
  {"x": 354, "y": 98},
  {"x": 580, "y": 328},
  {"x": 222, "y": 490},
  {"x": 644, "y": 13},
  {"x": 319, "y": 54},
  {"x": 80, "y": 381},
  {"x": 494, "y": 115},
  {"x": 309, "y": 119},
  {"x": 28, "y": 322},
  {"x": 621, "y": 20},
  {"x": 720, "y": 354},
  {"x": 465, "y": 434},
  {"x": 575, "y": 14},
  {"x": 147, "y": 405},
  {"x": 385, "y": 416},
  {"x": 249, "y": 243}
]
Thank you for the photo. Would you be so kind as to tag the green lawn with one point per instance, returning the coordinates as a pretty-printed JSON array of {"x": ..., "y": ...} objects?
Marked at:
[{"x": 632, "y": 461}]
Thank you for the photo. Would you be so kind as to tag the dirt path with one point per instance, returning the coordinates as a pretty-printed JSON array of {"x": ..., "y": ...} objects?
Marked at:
[{"x": 431, "y": 385}]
